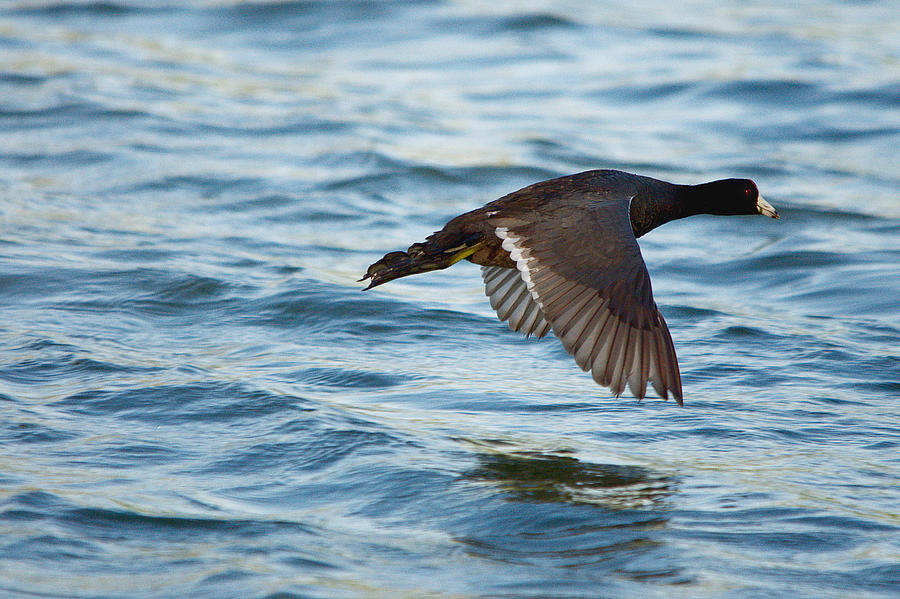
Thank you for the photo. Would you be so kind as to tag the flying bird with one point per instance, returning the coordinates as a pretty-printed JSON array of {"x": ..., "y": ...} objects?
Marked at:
[{"x": 562, "y": 255}]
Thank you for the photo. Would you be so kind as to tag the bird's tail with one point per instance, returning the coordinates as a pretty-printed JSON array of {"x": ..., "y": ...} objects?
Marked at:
[{"x": 436, "y": 253}]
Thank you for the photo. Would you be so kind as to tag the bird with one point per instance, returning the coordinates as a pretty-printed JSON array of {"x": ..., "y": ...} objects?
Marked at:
[{"x": 562, "y": 255}]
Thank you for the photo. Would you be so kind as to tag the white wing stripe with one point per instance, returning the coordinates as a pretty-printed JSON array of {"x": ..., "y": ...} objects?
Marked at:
[
  {"x": 513, "y": 302},
  {"x": 621, "y": 349}
]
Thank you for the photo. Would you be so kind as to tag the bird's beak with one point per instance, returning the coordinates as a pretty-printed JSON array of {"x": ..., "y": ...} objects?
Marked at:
[{"x": 765, "y": 208}]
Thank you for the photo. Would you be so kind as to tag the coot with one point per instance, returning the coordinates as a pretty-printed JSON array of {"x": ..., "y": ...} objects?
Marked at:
[{"x": 562, "y": 254}]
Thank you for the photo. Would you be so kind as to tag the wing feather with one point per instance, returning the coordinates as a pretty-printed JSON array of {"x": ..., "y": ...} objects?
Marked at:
[
  {"x": 513, "y": 302},
  {"x": 590, "y": 285}
]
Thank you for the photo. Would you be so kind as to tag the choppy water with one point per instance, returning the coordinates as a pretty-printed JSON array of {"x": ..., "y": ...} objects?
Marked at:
[{"x": 198, "y": 401}]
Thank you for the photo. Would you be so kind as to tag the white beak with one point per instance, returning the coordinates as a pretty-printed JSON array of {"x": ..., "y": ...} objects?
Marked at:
[{"x": 765, "y": 208}]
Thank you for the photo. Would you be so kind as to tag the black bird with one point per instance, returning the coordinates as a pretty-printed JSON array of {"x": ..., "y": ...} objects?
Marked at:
[{"x": 562, "y": 254}]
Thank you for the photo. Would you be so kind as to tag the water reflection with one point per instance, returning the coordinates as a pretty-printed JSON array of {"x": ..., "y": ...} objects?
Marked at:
[
  {"x": 545, "y": 477},
  {"x": 595, "y": 520}
]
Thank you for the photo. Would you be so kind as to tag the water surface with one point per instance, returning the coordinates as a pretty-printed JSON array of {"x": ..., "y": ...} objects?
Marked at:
[{"x": 199, "y": 401}]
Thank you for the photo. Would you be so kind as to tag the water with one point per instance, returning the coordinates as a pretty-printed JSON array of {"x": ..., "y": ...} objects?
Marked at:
[{"x": 199, "y": 401}]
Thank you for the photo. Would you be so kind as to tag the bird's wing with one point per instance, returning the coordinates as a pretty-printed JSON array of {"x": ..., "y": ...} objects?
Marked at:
[
  {"x": 513, "y": 302},
  {"x": 582, "y": 266}
]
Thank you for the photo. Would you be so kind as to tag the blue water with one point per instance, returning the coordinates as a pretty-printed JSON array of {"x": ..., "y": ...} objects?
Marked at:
[{"x": 198, "y": 401}]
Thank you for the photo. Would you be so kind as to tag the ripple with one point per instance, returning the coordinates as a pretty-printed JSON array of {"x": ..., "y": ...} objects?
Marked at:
[
  {"x": 533, "y": 22},
  {"x": 645, "y": 93},
  {"x": 772, "y": 91},
  {"x": 332, "y": 377},
  {"x": 43, "y": 361},
  {"x": 177, "y": 404},
  {"x": 75, "y": 157},
  {"x": 22, "y": 79},
  {"x": 53, "y": 116},
  {"x": 885, "y": 96},
  {"x": 33, "y": 432},
  {"x": 68, "y": 9},
  {"x": 316, "y": 447}
]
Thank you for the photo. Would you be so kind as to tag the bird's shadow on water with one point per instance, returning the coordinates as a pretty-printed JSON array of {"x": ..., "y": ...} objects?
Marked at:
[
  {"x": 546, "y": 511},
  {"x": 550, "y": 478}
]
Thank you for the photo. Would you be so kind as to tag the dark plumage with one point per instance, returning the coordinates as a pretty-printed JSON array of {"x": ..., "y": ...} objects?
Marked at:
[{"x": 562, "y": 254}]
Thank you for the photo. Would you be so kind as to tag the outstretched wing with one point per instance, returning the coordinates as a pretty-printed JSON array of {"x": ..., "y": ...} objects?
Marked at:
[
  {"x": 582, "y": 268},
  {"x": 512, "y": 300}
]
